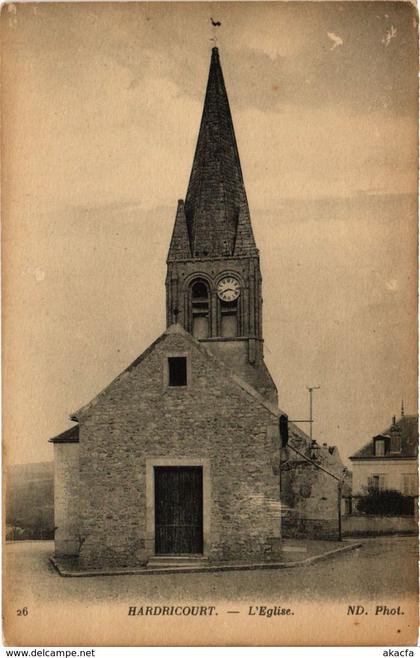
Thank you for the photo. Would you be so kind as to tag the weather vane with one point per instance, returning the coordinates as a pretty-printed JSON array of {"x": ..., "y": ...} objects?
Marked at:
[{"x": 215, "y": 25}]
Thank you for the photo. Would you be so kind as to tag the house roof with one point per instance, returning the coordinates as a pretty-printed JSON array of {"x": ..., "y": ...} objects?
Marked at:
[
  {"x": 407, "y": 428},
  {"x": 178, "y": 329},
  {"x": 68, "y": 436}
]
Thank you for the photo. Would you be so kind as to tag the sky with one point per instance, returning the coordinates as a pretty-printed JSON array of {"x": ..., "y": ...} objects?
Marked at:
[{"x": 101, "y": 109}]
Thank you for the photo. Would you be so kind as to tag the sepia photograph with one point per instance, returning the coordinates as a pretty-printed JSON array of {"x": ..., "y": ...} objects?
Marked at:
[{"x": 210, "y": 343}]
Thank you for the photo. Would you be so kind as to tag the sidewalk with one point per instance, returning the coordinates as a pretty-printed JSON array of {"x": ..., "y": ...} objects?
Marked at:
[{"x": 294, "y": 553}]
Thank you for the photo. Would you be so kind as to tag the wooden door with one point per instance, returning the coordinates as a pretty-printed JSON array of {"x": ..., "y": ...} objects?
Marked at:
[{"x": 178, "y": 510}]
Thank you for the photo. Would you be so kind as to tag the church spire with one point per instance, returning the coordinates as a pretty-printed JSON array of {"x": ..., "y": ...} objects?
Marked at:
[
  {"x": 213, "y": 281},
  {"x": 216, "y": 206}
]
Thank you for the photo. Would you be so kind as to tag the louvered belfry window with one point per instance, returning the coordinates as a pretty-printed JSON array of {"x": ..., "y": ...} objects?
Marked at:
[
  {"x": 200, "y": 308},
  {"x": 229, "y": 319}
]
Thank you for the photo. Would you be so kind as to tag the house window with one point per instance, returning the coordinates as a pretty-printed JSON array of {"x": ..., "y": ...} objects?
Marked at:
[
  {"x": 177, "y": 369},
  {"x": 395, "y": 443},
  {"x": 409, "y": 486},
  {"x": 200, "y": 308},
  {"x": 377, "y": 482},
  {"x": 379, "y": 448},
  {"x": 229, "y": 319}
]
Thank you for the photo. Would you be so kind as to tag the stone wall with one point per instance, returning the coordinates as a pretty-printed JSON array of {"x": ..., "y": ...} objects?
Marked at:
[
  {"x": 354, "y": 525},
  {"x": 66, "y": 498},
  {"x": 296, "y": 527},
  {"x": 309, "y": 495},
  {"x": 138, "y": 418}
]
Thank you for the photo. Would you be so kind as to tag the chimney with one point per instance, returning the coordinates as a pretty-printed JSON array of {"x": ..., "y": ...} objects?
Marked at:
[{"x": 314, "y": 449}]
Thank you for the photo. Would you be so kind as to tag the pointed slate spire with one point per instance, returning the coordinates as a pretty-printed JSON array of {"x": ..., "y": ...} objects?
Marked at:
[
  {"x": 216, "y": 206},
  {"x": 245, "y": 243},
  {"x": 180, "y": 241}
]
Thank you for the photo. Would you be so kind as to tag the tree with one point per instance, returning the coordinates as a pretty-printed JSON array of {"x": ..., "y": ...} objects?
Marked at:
[{"x": 386, "y": 502}]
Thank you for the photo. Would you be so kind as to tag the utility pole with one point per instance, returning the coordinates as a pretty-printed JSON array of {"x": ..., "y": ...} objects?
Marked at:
[
  {"x": 339, "y": 499},
  {"x": 340, "y": 482},
  {"x": 311, "y": 389}
]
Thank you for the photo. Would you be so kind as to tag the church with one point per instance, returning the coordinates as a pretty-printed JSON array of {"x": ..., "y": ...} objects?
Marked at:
[{"x": 179, "y": 457}]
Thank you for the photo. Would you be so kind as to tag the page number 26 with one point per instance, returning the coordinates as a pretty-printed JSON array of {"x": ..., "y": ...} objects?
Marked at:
[{"x": 22, "y": 612}]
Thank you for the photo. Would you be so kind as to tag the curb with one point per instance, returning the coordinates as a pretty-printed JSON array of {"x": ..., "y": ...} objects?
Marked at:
[{"x": 142, "y": 571}]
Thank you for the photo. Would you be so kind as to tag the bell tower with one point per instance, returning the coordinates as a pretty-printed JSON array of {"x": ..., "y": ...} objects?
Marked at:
[{"x": 213, "y": 282}]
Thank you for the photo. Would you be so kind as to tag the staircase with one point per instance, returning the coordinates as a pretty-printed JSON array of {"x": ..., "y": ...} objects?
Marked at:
[{"x": 176, "y": 561}]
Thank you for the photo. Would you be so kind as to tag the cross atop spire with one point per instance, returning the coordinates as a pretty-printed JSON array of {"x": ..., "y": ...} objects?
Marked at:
[{"x": 216, "y": 207}]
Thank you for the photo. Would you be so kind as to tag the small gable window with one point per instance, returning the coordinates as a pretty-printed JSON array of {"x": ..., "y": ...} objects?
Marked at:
[{"x": 177, "y": 370}]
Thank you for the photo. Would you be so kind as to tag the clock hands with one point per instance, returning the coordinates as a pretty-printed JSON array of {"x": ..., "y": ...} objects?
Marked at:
[{"x": 228, "y": 289}]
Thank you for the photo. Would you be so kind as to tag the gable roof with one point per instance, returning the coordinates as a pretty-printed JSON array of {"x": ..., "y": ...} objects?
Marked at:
[
  {"x": 407, "y": 428},
  {"x": 178, "y": 329},
  {"x": 68, "y": 436},
  {"x": 296, "y": 434}
]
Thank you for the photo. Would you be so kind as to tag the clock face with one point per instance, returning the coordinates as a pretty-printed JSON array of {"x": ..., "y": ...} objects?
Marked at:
[{"x": 228, "y": 289}]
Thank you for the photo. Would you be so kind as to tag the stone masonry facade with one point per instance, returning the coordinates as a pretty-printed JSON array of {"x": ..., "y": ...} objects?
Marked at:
[
  {"x": 310, "y": 496},
  {"x": 66, "y": 498},
  {"x": 138, "y": 418}
]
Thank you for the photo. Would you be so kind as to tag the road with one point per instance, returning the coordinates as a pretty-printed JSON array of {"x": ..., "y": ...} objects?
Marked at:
[{"x": 382, "y": 567}]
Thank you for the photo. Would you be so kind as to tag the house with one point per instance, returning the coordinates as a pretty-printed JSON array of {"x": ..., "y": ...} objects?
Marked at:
[
  {"x": 180, "y": 454},
  {"x": 389, "y": 460}
]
